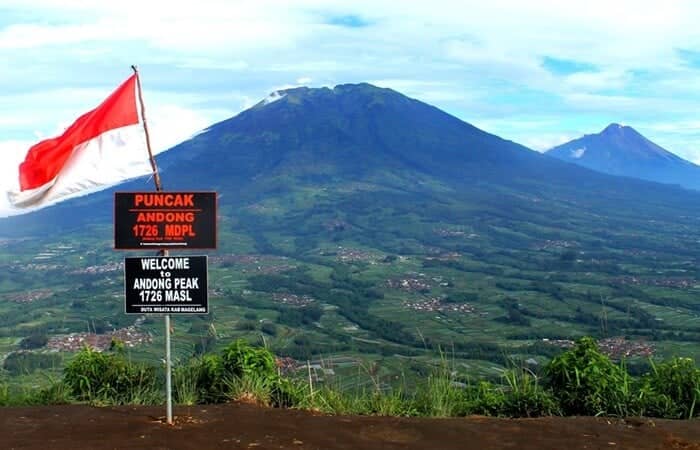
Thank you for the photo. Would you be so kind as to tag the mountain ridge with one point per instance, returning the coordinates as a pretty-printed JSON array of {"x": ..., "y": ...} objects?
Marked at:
[{"x": 313, "y": 138}]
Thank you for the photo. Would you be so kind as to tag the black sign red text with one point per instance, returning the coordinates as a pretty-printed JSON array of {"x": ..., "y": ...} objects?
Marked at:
[{"x": 164, "y": 220}]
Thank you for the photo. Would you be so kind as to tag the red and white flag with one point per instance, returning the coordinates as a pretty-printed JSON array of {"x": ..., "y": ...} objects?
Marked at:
[{"x": 103, "y": 147}]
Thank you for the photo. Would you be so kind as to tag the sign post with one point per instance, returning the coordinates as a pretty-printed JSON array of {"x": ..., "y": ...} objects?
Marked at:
[
  {"x": 170, "y": 285},
  {"x": 163, "y": 220},
  {"x": 168, "y": 373}
]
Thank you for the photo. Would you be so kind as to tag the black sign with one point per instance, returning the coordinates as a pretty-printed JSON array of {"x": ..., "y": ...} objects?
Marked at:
[
  {"x": 162, "y": 220},
  {"x": 166, "y": 285}
]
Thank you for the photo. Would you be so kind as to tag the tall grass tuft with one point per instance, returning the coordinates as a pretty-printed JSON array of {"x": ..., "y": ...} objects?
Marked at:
[
  {"x": 55, "y": 393},
  {"x": 440, "y": 397},
  {"x": 186, "y": 390},
  {"x": 525, "y": 397},
  {"x": 111, "y": 379},
  {"x": 4, "y": 394},
  {"x": 671, "y": 389},
  {"x": 254, "y": 389}
]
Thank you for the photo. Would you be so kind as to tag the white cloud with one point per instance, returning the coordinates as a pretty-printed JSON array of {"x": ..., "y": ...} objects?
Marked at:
[
  {"x": 578, "y": 153},
  {"x": 204, "y": 61},
  {"x": 171, "y": 124}
]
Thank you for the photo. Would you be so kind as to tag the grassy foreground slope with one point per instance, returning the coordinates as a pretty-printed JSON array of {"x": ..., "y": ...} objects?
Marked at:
[{"x": 579, "y": 382}]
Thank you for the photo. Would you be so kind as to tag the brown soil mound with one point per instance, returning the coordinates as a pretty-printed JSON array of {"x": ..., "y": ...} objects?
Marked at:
[{"x": 241, "y": 426}]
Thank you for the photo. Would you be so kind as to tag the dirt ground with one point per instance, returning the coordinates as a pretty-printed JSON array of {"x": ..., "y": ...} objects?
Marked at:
[{"x": 242, "y": 426}]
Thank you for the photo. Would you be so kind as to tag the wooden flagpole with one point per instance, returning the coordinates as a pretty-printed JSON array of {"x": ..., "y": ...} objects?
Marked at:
[
  {"x": 159, "y": 188},
  {"x": 156, "y": 175}
]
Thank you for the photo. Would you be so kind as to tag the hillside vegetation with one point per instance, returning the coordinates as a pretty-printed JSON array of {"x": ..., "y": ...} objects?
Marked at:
[
  {"x": 580, "y": 381},
  {"x": 366, "y": 229}
]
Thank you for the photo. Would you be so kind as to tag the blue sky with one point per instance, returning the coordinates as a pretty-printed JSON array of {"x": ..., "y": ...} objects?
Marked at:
[{"x": 536, "y": 72}]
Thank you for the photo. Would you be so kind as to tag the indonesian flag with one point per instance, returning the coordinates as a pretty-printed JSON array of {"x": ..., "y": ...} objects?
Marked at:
[{"x": 103, "y": 147}]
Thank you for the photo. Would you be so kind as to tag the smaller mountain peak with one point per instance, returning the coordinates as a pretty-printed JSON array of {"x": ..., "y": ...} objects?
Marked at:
[{"x": 614, "y": 128}]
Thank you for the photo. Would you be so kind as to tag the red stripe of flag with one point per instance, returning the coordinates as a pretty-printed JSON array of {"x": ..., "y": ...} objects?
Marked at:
[{"x": 45, "y": 160}]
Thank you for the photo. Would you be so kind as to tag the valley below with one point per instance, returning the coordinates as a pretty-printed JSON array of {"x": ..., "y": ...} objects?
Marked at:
[{"x": 367, "y": 239}]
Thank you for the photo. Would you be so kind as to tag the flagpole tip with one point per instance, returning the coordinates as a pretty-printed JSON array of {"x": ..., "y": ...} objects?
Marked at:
[{"x": 134, "y": 68}]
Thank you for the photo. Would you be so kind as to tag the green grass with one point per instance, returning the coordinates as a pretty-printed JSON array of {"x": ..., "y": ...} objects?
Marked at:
[{"x": 580, "y": 381}]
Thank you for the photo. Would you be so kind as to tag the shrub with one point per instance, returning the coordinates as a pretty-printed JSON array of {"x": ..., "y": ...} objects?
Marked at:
[
  {"x": 483, "y": 398},
  {"x": 671, "y": 390},
  {"x": 34, "y": 341},
  {"x": 266, "y": 389},
  {"x": 213, "y": 378},
  {"x": 208, "y": 372},
  {"x": 109, "y": 378},
  {"x": 240, "y": 358},
  {"x": 56, "y": 393},
  {"x": 586, "y": 382}
]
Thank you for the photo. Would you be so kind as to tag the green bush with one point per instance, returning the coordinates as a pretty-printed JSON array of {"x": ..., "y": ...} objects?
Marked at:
[
  {"x": 586, "y": 382},
  {"x": 524, "y": 397},
  {"x": 211, "y": 378},
  {"x": 201, "y": 380},
  {"x": 109, "y": 378},
  {"x": 34, "y": 341},
  {"x": 265, "y": 390},
  {"x": 56, "y": 393},
  {"x": 671, "y": 390},
  {"x": 241, "y": 359},
  {"x": 483, "y": 398}
]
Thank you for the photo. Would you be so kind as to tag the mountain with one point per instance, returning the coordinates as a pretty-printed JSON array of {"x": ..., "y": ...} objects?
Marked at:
[
  {"x": 356, "y": 220},
  {"x": 300, "y": 139},
  {"x": 352, "y": 131},
  {"x": 621, "y": 150}
]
